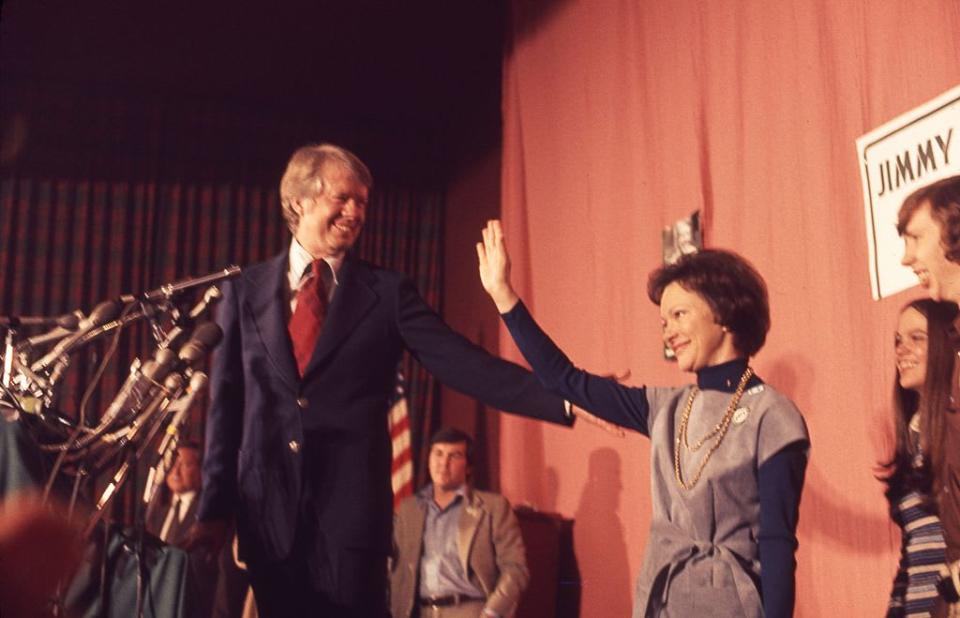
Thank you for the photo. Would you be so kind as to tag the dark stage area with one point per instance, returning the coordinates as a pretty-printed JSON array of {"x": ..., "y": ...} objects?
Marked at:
[
  {"x": 225, "y": 91},
  {"x": 143, "y": 143}
]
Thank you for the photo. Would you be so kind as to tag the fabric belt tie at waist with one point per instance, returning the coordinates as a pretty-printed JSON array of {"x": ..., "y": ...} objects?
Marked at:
[
  {"x": 678, "y": 551},
  {"x": 448, "y": 601}
]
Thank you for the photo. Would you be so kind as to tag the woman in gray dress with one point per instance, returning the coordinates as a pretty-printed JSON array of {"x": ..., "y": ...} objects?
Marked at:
[{"x": 728, "y": 453}]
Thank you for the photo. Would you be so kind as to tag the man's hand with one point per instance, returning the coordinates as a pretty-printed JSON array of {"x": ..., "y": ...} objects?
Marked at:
[
  {"x": 495, "y": 267},
  {"x": 207, "y": 537},
  {"x": 607, "y": 426}
]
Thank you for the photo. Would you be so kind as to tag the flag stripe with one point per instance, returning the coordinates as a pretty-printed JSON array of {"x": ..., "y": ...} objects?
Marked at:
[{"x": 402, "y": 465}]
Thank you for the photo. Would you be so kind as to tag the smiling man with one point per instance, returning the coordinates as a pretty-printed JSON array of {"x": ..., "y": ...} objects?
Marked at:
[
  {"x": 298, "y": 451},
  {"x": 929, "y": 222}
]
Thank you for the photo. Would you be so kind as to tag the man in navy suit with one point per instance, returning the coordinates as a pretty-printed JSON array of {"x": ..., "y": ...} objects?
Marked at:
[{"x": 298, "y": 451}]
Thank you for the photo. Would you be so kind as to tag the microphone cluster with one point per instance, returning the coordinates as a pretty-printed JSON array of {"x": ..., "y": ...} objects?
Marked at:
[
  {"x": 147, "y": 407},
  {"x": 162, "y": 378},
  {"x": 143, "y": 420}
]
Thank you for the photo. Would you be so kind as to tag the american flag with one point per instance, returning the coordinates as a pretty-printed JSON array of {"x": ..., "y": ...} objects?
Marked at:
[{"x": 402, "y": 466}]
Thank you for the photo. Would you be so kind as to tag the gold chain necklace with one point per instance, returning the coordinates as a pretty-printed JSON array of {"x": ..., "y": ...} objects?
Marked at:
[{"x": 720, "y": 431}]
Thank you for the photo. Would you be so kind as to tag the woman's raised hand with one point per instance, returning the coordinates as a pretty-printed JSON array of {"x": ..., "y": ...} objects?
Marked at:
[{"x": 495, "y": 267}]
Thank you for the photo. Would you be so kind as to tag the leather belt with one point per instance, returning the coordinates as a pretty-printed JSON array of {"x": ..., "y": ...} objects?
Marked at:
[{"x": 448, "y": 601}]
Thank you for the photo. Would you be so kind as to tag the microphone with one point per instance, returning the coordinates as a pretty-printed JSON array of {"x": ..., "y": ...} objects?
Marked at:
[
  {"x": 205, "y": 337},
  {"x": 140, "y": 386},
  {"x": 144, "y": 385},
  {"x": 68, "y": 321},
  {"x": 64, "y": 327},
  {"x": 169, "y": 289},
  {"x": 211, "y": 295},
  {"x": 102, "y": 313},
  {"x": 179, "y": 332},
  {"x": 171, "y": 438}
]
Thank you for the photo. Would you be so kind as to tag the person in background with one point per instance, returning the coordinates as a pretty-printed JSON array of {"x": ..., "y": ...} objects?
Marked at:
[
  {"x": 457, "y": 551},
  {"x": 929, "y": 223},
  {"x": 171, "y": 518},
  {"x": 40, "y": 550},
  {"x": 218, "y": 585},
  {"x": 728, "y": 453},
  {"x": 924, "y": 357}
]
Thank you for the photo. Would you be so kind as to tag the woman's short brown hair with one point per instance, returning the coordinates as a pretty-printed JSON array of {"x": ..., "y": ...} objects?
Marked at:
[{"x": 732, "y": 287}]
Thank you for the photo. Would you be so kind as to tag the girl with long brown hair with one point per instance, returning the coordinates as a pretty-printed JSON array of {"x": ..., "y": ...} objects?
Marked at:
[{"x": 921, "y": 395}]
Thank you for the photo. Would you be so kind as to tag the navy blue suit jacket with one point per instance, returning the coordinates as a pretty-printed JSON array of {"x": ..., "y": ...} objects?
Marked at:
[{"x": 257, "y": 465}]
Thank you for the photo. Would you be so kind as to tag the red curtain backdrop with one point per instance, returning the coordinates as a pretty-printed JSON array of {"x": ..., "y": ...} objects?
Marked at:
[
  {"x": 622, "y": 116},
  {"x": 68, "y": 244}
]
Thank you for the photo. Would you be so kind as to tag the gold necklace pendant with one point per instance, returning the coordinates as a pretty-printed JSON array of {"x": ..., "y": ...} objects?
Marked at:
[{"x": 720, "y": 431}]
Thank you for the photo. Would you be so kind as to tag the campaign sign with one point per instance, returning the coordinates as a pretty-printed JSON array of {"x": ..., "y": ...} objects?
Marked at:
[{"x": 910, "y": 151}]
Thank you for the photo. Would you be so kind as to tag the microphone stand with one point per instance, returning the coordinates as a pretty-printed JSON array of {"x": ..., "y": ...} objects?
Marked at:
[
  {"x": 9, "y": 350},
  {"x": 32, "y": 387}
]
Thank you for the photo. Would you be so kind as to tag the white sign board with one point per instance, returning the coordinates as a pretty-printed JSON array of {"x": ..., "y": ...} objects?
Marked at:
[{"x": 910, "y": 151}]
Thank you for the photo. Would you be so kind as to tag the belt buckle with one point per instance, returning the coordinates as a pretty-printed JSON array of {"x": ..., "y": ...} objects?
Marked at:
[{"x": 450, "y": 600}]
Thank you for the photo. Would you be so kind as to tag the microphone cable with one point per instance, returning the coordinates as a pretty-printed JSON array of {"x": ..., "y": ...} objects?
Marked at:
[{"x": 82, "y": 411}]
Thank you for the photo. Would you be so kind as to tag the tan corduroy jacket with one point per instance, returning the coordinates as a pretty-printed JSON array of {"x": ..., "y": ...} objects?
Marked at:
[{"x": 490, "y": 547}]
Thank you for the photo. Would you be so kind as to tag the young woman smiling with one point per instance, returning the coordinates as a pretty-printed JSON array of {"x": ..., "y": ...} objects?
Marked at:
[
  {"x": 728, "y": 453},
  {"x": 924, "y": 369}
]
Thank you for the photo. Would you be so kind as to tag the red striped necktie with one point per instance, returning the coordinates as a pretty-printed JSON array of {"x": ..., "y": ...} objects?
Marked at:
[{"x": 307, "y": 319}]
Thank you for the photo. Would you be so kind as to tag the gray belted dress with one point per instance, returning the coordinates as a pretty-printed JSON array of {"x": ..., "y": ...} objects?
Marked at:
[
  {"x": 702, "y": 555},
  {"x": 701, "y": 558}
]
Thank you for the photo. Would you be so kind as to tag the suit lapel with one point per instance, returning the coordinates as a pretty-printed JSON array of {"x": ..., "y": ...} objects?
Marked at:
[
  {"x": 179, "y": 527},
  {"x": 266, "y": 294},
  {"x": 417, "y": 523},
  {"x": 467, "y": 528},
  {"x": 353, "y": 299}
]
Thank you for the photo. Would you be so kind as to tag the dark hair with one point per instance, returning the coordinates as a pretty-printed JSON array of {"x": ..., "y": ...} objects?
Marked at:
[
  {"x": 732, "y": 287},
  {"x": 944, "y": 199},
  {"x": 931, "y": 403},
  {"x": 193, "y": 445},
  {"x": 450, "y": 435}
]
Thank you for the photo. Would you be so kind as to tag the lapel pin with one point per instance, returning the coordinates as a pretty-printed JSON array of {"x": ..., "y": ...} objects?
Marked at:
[{"x": 740, "y": 415}]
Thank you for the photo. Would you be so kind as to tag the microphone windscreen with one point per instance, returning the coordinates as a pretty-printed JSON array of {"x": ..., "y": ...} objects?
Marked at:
[
  {"x": 104, "y": 312},
  {"x": 69, "y": 321},
  {"x": 163, "y": 362},
  {"x": 207, "y": 334},
  {"x": 205, "y": 337}
]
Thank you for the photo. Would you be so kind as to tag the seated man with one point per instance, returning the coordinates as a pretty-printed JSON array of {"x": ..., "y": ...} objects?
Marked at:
[
  {"x": 456, "y": 551},
  {"x": 218, "y": 587},
  {"x": 171, "y": 519}
]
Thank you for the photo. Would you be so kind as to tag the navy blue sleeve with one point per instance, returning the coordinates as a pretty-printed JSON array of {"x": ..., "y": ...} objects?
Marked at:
[
  {"x": 605, "y": 397},
  {"x": 780, "y": 483},
  {"x": 468, "y": 368},
  {"x": 225, "y": 414}
]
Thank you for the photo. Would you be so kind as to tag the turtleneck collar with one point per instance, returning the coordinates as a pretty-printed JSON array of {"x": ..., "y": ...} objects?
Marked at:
[{"x": 725, "y": 376}]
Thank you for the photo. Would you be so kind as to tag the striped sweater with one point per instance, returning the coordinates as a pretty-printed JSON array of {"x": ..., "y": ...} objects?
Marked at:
[{"x": 922, "y": 556}]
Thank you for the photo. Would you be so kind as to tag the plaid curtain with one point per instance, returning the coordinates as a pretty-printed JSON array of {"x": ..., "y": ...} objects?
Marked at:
[{"x": 68, "y": 244}]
